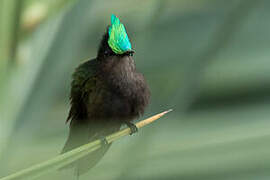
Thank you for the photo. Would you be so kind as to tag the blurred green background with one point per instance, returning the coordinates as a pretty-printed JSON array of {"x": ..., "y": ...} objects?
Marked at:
[{"x": 206, "y": 59}]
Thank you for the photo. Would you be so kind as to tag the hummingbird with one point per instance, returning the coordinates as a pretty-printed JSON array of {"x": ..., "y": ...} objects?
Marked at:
[{"x": 106, "y": 93}]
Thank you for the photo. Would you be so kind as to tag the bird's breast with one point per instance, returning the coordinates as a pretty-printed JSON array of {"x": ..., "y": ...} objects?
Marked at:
[{"x": 121, "y": 93}]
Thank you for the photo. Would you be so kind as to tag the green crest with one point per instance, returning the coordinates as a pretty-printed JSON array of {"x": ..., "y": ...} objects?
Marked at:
[{"x": 118, "y": 38}]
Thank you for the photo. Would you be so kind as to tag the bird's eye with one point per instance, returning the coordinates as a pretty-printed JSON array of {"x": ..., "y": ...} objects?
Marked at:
[{"x": 106, "y": 53}]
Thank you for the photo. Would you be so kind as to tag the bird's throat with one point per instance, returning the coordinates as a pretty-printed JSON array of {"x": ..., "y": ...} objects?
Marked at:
[{"x": 120, "y": 74}]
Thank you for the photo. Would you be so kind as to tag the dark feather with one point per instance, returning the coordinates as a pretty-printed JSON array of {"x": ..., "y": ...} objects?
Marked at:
[{"x": 106, "y": 92}]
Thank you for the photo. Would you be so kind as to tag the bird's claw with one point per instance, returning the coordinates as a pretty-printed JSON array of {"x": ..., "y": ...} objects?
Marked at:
[
  {"x": 133, "y": 127},
  {"x": 104, "y": 141}
]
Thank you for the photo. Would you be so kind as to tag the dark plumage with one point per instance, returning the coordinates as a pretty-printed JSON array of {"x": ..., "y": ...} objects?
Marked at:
[{"x": 106, "y": 92}]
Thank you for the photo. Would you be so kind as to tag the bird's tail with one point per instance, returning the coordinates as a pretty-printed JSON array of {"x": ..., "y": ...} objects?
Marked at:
[{"x": 83, "y": 133}]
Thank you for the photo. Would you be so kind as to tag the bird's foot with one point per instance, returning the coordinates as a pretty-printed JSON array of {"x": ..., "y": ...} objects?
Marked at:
[
  {"x": 133, "y": 127},
  {"x": 104, "y": 141}
]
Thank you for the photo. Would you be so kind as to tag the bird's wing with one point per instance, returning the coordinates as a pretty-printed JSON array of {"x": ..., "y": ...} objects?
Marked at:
[
  {"x": 85, "y": 74},
  {"x": 79, "y": 133},
  {"x": 82, "y": 130}
]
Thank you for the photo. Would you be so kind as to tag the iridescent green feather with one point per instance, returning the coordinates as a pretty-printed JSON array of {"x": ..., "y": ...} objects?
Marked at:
[{"x": 118, "y": 38}]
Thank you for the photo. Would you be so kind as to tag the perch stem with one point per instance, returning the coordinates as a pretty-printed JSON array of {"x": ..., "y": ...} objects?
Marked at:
[{"x": 75, "y": 154}]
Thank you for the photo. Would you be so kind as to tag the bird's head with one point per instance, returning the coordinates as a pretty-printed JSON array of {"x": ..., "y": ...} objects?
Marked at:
[{"x": 115, "y": 41}]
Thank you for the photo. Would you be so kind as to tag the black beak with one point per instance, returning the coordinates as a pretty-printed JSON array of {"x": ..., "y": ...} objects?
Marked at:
[{"x": 131, "y": 52}]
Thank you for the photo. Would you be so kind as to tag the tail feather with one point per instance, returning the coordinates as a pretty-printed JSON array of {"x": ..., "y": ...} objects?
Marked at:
[{"x": 83, "y": 133}]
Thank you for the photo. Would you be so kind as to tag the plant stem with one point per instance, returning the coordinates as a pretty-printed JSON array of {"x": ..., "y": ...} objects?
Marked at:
[{"x": 75, "y": 154}]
